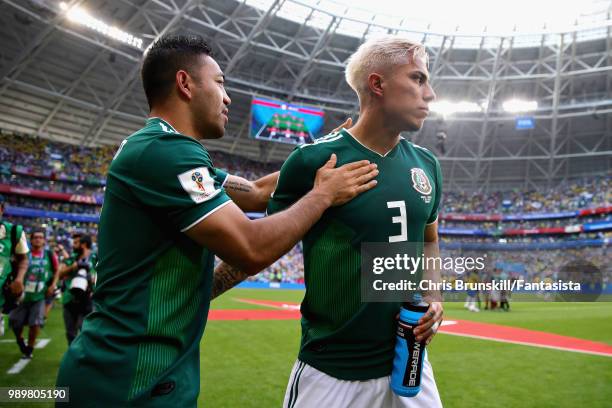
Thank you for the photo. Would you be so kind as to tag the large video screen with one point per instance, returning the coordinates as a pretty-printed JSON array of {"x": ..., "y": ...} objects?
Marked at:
[{"x": 279, "y": 121}]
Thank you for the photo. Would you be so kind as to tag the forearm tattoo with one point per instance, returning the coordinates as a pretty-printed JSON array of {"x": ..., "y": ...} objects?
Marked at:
[
  {"x": 225, "y": 278},
  {"x": 238, "y": 186}
]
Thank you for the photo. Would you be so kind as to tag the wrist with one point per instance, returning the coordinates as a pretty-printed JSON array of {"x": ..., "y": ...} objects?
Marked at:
[{"x": 320, "y": 196}]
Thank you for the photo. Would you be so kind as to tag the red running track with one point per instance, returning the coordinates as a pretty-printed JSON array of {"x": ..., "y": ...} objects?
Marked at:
[{"x": 464, "y": 328}]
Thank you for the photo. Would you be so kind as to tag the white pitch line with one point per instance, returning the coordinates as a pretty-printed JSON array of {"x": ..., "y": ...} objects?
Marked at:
[
  {"x": 39, "y": 344},
  {"x": 23, "y": 362},
  {"x": 526, "y": 343},
  {"x": 19, "y": 365},
  {"x": 42, "y": 343}
]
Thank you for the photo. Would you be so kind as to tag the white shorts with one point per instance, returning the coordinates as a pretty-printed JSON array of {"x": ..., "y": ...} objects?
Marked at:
[{"x": 311, "y": 388}]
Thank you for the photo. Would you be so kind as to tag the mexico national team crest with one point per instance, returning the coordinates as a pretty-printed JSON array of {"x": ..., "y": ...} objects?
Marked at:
[
  {"x": 198, "y": 184},
  {"x": 420, "y": 182}
]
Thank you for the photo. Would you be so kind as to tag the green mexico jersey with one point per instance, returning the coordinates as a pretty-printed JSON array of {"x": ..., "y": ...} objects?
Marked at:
[
  {"x": 342, "y": 336},
  {"x": 92, "y": 261},
  {"x": 140, "y": 346},
  {"x": 6, "y": 247},
  {"x": 38, "y": 276}
]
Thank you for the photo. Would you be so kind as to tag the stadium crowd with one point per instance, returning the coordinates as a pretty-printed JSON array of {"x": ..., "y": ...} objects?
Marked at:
[
  {"x": 60, "y": 161},
  {"x": 584, "y": 193},
  {"x": 525, "y": 224},
  {"x": 40, "y": 164}
]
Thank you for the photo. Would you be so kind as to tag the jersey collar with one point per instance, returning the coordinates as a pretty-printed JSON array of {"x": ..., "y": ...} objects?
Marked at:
[
  {"x": 155, "y": 119},
  {"x": 366, "y": 149}
]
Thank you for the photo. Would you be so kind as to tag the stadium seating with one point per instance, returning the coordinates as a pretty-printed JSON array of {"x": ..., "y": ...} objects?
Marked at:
[{"x": 60, "y": 187}]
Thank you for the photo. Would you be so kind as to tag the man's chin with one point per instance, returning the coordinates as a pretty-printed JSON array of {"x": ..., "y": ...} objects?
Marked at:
[
  {"x": 414, "y": 126},
  {"x": 214, "y": 133}
]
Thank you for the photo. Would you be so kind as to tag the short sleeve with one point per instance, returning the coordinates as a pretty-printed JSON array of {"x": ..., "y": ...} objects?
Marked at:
[
  {"x": 174, "y": 176},
  {"x": 295, "y": 180},
  {"x": 433, "y": 217},
  {"x": 220, "y": 176}
]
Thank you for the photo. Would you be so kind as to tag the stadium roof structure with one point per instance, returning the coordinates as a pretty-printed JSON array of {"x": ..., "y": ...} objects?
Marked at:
[{"x": 69, "y": 71}]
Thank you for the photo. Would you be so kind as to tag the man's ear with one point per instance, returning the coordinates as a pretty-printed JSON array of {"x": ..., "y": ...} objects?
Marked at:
[
  {"x": 183, "y": 84},
  {"x": 375, "y": 84}
]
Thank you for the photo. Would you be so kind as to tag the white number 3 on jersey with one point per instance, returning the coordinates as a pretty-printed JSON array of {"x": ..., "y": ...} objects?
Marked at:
[{"x": 403, "y": 236}]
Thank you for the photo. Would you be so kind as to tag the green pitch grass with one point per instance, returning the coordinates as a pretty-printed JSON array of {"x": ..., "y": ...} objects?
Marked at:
[{"x": 247, "y": 363}]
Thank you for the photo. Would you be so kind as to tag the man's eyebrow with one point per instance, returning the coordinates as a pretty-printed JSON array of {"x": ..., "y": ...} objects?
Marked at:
[
  {"x": 222, "y": 75},
  {"x": 421, "y": 73}
]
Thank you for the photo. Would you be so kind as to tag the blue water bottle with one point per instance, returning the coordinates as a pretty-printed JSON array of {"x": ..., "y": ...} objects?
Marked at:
[{"x": 408, "y": 360}]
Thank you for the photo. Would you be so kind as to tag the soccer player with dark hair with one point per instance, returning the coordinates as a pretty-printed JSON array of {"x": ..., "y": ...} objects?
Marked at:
[{"x": 167, "y": 211}]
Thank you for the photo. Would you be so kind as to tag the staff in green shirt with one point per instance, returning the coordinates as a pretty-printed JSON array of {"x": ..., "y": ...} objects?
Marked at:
[
  {"x": 39, "y": 281},
  {"x": 13, "y": 244}
]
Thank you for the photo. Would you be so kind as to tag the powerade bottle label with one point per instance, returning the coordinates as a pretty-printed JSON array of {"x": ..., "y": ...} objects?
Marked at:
[
  {"x": 409, "y": 353},
  {"x": 414, "y": 349}
]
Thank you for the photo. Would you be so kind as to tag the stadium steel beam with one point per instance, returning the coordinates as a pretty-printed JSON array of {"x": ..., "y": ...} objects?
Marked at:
[
  {"x": 261, "y": 24},
  {"x": 543, "y": 157},
  {"x": 31, "y": 50},
  {"x": 563, "y": 163},
  {"x": 555, "y": 111},
  {"x": 70, "y": 100},
  {"x": 354, "y": 109},
  {"x": 316, "y": 50},
  {"x": 94, "y": 41},
  {"x": 438, "y": 63},
  {"x": 94, "y": 62},
  {"x": 606, "y": 137},
  {"x": 52, "y": 91},
  {"x": 114, "y": 102},
  {"x": 608, "y": 118},
  {"x": 531, "y": 142},
  {"x": 282, "y": 49},
  {"x": 243, "y": 128},
  {"x": 452, "y": 143},
  {"x": 491, "y": 88},
  {"x": 297, "y": 35}
]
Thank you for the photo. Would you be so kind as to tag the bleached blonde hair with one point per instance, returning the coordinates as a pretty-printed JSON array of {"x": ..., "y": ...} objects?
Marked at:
[{"x": 377, "y": 55}]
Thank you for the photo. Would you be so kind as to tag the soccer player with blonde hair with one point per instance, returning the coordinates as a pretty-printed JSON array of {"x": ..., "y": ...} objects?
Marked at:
[
  {"x": 347, "y": 345},
  {"x": 347, "y": 348}
]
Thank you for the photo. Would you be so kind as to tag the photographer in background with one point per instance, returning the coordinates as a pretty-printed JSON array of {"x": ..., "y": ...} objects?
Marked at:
[
  {"x": 39, "y": 281},
  {"x": 62, "y": 255},
  {"x": 79, "y": 276}
]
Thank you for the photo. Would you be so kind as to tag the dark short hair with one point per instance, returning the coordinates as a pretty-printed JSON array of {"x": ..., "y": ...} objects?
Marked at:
[
  {"x": 38, "y": 231},
  {"x": 164, "y": 58},
  {"x": 85, "y": 239}
]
